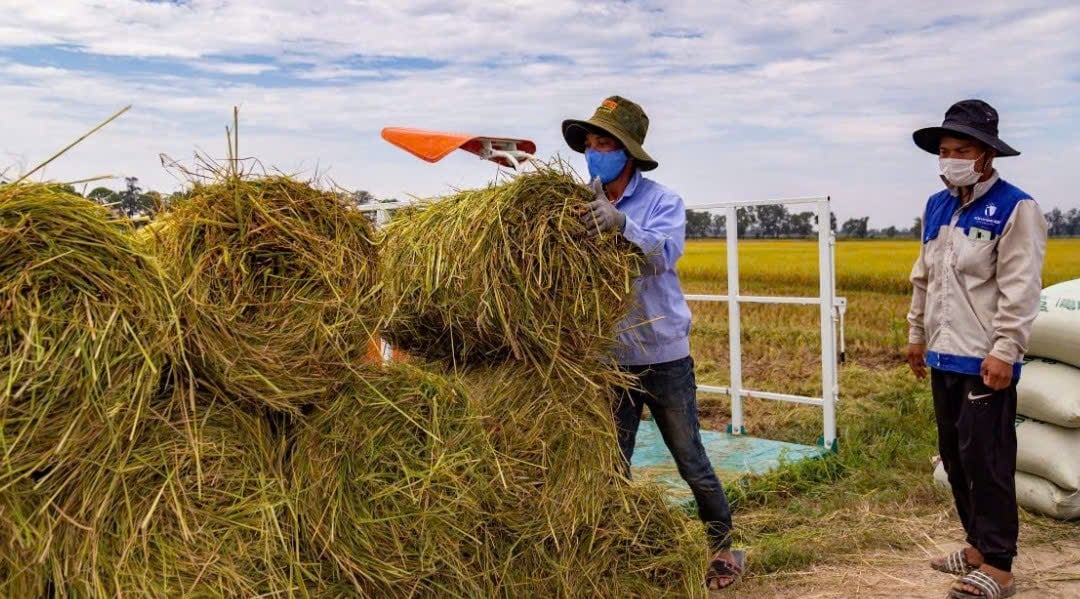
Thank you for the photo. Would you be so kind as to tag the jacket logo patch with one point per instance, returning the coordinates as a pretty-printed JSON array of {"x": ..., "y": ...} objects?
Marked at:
[{"x": 990, "y": 210}]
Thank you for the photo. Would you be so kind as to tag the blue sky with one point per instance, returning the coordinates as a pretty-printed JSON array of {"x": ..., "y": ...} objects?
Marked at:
[{"x": 747, "y": 100}]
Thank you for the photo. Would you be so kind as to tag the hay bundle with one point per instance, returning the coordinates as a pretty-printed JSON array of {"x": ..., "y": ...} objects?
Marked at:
[
  {"x": 23, "y": 542},
  {"x": 558, "y": 440},
  {"x": 419, "y": 481},
  {"x": 640, "y": 547},
  {"x": 199, "y": 508},
  {"x": 85, "y": 328},
  {"x": 276, "y": 284},
  {"x": 505, "y": 272},
  {"x": 564, "y": 524},
  {"x": 392, "y": 480}
]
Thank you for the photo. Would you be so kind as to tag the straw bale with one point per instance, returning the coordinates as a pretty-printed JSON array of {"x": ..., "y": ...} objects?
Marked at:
[
  {"x": 85, "y": 331},
  {"x": 392, "y": 479},
  {"x": 199, "y": 507},
  {"x": 506, "y": 272},
  {"x": 276, "y": 284}
]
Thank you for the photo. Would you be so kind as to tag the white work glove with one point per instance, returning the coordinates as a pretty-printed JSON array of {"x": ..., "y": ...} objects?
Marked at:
[{"x": 602, "y": 216}]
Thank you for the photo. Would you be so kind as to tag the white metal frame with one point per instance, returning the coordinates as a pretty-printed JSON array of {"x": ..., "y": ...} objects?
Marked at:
[
  {"x": 382, "y": 210},
  {"x": 832, "y": 309},
  {"x": 492, "y": 148},
  {"x": 382, "y": 216}
]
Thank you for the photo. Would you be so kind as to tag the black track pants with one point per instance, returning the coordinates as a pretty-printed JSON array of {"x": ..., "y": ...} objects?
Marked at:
[{"x": 977, "y": 441}]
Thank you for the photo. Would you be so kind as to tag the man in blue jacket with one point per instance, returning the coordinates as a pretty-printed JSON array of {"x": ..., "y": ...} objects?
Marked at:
[
  {"x": 975, "y": 295},
  {"x": 654, "y": 344}
]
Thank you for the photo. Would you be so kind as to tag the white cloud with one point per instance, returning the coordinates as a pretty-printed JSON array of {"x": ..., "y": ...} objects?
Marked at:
[
  {"x": 326, "y": 73},
  {"x": 774, "y": 97},
  {"x": 234, "y": 68}
]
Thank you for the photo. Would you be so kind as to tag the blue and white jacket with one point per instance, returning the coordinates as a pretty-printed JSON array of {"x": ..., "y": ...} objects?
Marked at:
[{"x": 978, "y": 277}]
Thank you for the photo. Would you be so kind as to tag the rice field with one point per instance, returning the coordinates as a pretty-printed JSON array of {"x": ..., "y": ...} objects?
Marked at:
[
  {"x": 862, "y": 265},
  {"x": 876, "y": 493},
  {"x": 781, "y": 342}
]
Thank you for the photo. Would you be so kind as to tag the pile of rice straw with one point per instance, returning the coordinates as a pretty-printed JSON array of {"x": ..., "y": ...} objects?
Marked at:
[
  {"x": 198, "y": 508},
  {"x": 394, "y": 479},
  {"x": 214, "y": 426},
  {"x": 487, "y": 467},
  {"x": 22, "y": 543},
  {"x": 505, "y": 272},
  {"x": 568, "y": 524},
  {"x": 277, "y": 286},
  {"x": 85, "y": 331},
  {"x": 421, "y": 481}
]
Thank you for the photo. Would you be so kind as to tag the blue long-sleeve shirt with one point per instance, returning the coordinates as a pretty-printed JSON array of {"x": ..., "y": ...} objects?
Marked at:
[{"x": 658, "y": 330}]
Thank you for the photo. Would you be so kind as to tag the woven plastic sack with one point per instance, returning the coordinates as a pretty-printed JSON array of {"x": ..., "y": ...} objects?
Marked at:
[
  {"x": 1056, "y": 332},
  {"x": 1049, "y": 391}
]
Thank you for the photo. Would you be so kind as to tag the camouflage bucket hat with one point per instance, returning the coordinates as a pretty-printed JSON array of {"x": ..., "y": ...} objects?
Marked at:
[{"x": 620, "y": 118}]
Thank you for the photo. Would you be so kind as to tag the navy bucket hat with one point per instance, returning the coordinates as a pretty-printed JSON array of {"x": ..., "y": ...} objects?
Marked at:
[{"x": 970, "y": 118}]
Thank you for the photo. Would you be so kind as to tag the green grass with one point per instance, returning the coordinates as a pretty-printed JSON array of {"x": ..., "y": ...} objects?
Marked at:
[{"x": 877, "y": 491}]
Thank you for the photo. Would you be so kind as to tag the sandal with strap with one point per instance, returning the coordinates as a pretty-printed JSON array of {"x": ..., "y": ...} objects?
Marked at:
[
  {"x": 956, "y": 564},
  {"x": 722, "y": 568},
  {"x": 985, "y": 583}
]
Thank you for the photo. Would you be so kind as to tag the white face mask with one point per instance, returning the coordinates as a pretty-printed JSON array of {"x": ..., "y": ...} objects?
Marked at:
[{"x": 958, "y": 171}]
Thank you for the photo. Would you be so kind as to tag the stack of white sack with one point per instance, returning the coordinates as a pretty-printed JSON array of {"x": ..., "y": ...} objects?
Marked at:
[{"x": 1048, "y": 401}]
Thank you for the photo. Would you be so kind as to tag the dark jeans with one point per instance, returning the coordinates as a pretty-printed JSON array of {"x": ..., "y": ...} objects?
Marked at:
[
  {"x": 670, "y": 391},
  {"x": 977, "y": 441}
]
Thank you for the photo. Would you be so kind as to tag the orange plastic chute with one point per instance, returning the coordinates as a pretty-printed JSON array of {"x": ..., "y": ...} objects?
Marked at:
[{"x": 433, "y": 146}]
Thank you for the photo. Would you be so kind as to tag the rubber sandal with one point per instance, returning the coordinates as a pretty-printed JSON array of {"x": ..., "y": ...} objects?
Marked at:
[
  {"x": 955, "y": 564},
  {"x": 985, "y": 583},
  {"x": 722, "y": 568}
]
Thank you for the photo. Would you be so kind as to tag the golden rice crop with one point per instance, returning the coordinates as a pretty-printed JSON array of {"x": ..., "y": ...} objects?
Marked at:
[
  {"x": 506, "y": 272},
  {"x": 276, "y": 284},
  {"x": 790, "y": 266}
]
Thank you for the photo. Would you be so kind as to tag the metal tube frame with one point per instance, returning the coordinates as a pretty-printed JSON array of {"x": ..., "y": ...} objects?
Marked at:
[
  {"x": 831, "y": 307},
  {"x": 505, "y": 150}
]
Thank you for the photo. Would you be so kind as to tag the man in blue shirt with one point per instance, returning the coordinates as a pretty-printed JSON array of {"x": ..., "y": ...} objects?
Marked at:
[{"x": 654, "y": 343}]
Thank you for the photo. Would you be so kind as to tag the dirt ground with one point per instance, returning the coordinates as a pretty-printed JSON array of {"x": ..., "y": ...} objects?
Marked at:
[{"x": 1044, "y": 571}]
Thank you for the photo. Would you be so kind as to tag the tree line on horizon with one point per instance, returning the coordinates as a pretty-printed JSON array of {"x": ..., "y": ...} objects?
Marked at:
[
  {"x": 754, "y": 222},
  {"x": 777, "y": 222},
  {"x": 133, "y": 202}
]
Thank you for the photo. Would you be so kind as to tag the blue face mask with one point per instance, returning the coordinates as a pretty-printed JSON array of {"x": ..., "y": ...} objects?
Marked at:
[{"x": 606, "y": 165}]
